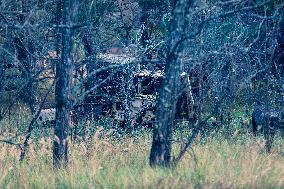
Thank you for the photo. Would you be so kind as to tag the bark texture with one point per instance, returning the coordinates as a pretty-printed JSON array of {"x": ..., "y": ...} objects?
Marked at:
[
  {"x": 64, "y": 73},
  {"x": 160, "y": 154}
]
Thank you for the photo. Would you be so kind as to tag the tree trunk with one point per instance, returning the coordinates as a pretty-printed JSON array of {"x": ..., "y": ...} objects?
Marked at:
[
  {"x": 25, "y": 53},
  {"x": 278, "y": 56},
  {"x": 91, "y": 62},
  {"x": 161, "y": 146},
  {"x": 64, "y": 74},
  {"x": 160, "y": 154}
]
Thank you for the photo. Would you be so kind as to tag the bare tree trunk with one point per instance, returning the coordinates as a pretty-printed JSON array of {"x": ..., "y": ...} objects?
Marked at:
[
  {"x": 161, "y": 146},
  {"x": 64, "y": 74},
  {"x": 278, "y": 56},
  {"x": 91, "y": 62},
  {"x": 160, "y": 154},
  {"x": 25, "y": 51}
]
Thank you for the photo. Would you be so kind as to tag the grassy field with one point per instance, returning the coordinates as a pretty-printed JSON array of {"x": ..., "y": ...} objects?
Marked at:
[{"x": 215, "y": 162}]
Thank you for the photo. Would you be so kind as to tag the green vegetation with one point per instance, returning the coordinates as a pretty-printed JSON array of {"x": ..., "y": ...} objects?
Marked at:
[{"x": 238, "y": 161}]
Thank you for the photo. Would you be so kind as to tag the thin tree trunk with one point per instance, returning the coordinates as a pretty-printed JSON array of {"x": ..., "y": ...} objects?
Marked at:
[
  {"x": 24, "y": 55},
  {"x": 91, "y": 62},
  {"x": 64, "y": 74},
  {"x": 31, "y": 126}
]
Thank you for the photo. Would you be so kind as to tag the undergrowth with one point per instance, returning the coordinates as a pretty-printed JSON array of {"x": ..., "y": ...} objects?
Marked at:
[{"x": 238, "y": 161}]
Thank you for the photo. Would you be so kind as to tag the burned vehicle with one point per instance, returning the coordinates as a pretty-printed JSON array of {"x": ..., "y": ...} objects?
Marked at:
[
  {"x": 139, "y": 110},
  {"x": 126, "y": 90}
]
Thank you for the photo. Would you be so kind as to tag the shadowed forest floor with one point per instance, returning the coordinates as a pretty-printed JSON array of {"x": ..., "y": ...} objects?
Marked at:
[{"x": 214, "y": 162}]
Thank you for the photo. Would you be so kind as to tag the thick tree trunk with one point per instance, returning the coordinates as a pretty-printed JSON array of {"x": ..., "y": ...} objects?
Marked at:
[
  {"x": 64, "y": 74},
  {"x": 160, "y": 154},
  {"x": 161, "y": 146}
]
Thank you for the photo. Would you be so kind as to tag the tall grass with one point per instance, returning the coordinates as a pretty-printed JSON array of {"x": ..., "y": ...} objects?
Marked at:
[{"x": 214, "y": 162}]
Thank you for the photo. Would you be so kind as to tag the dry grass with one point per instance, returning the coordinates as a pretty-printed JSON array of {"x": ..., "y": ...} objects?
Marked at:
[{"x": 105, "y": 163}]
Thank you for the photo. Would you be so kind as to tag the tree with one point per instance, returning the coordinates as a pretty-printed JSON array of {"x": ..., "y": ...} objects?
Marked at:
[
  {"x": 160, "y": 154},
  {"x": 186, "y": 24},
  {"x": 63, "y": 83}
]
